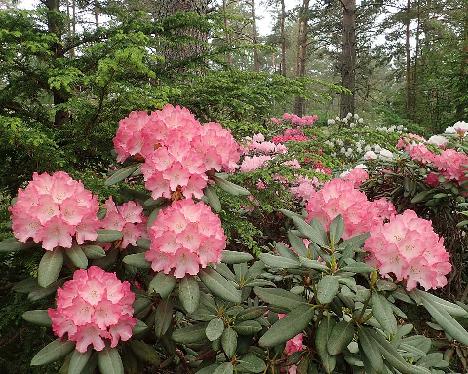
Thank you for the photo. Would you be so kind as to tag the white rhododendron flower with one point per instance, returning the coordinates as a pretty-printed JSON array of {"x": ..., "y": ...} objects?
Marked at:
[{"x": 438, "y": 140}]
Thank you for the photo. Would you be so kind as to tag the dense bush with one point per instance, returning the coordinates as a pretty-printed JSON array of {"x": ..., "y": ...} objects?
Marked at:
[{"x": 154, "y": 282}]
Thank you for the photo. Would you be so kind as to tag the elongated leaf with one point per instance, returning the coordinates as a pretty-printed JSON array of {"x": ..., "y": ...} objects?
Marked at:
[
  {"x": 445, "y": 320},
  {"x": 287, "y": 327},
  {"x": 52, "y": 352},
  {"x": 278, "y": 261},
  {"x": 189, "y": 294},
  {"x": 138, "y": 260},
  {"x": 327, "y": 288},
  {"x": 120, "y": 174},
  {"x": 49, "y": 267},
  {"x": 285, "y": 251},
  {"x": 313, "y": 231},
  {"x": 251, "y": 313},
  {"x": 421, "y": 196},
  {"x": 229, "y": 341},
  {"x": 358, "y": 267},
  {"x": 322, "y": 335},
  {"x": 383, "y": 313},
  {"x": 77, "y": 256},
  {"x": 313, "y": 264},
  {"x": 341, "y": 335},
  {"x": 234, "y": 257},
  {"x": 451, "y": 308},
  {"x": 108, "y": 236},
  {"x": 12, "y": 245},
  {"x": 219, "y": 285},
  {"x": 38, "y": 317},
  {"x": 145, "y": 352},
  {"x": 40, "y": 293},
  {"x": 251, "y": 364},
  {"x": 224, "y": 368},
  {"x": 336, "y": 229},
  {"x": 110, "y": 362},
  {"x": 163, "y": 317},
  {"x": 279, "y": 297},
  {"x": 297, "y": 244},
  {"x": 139, "y": 327},
  {"x": 93, "y": 252},
  {"x": 212, "y": 198},
  {"x": 190, "y": 334},
  {"x": 214, "y": 329},
  {"x": 230, "y": 187},
  {"x": 248, "y": 327},
  {"x": 162, "y": 284},
  {"x": 78, "y": 361},
  {"x": 370, "y": 351}
]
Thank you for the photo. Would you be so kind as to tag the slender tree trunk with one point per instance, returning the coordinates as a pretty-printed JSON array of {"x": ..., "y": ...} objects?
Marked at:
[
  {"x": 55, "y": 27},
  {"x": 254, "y": 37},
  {"x": 462, "y": 105},
  {"x": 414, "y": 75},
  {"x": 283, "y": 37},
  {"x": 96, "y": 13},
  {"x": 301, "y": 55},
  {"x": 227, "y": 33},
  {"x": 348, "y": 57},
  {"x": 409, "y": 109},
  {"x": 73, "y": 23}
]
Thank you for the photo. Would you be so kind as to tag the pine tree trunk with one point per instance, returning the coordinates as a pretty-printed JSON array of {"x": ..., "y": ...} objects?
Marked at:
[
  {"x": 283, "y": 37},
  {"x": 254, "y": 37},
  {"x": 227, "y": 33},
  {"x": 348, "y": 57},
  {"x": 409, "y": 108},
  {"x": 462, "y": 105},
  {"x": 178, "y": 53},
  {"x": 301, "y": 55}
]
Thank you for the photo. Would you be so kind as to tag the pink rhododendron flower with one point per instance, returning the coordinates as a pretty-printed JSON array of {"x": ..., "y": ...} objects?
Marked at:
[
  {"x": 54, "y": 209},
  {"x": 432, "y": 179},
  {"x": 420, "y": 153},
  {"x": 275, "y": 120},
  {"x": 305, "y": 187},
  {"x": 340, "y": 197},
  {"x": 452, "y": 164},
  {"x": 185, "y": 237},
  {"x": 260, "y": 185},
  {"x": 254, "y": 162},
  {"x": 177, "y": 150},
  {"x": 295, "y": 135},
  {"x": 127, "y": 218},
  {"x": 92, "y": 308},
  {"x": 357, "y": 176},
  {"x": 383, "y": 208},
  {"x": 293, "y": 164},
  {"x": 408, "y": 248}
]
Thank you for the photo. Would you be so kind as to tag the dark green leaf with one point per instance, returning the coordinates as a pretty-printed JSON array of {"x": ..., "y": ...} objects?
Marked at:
[
  {"x": 78, "y": 361},
  {"x": 163, "y": 317},
  {"x": 327, "y": 288},
  {"x": 219, "y": 285},
  {"x": 341, "y": 335},
  {"x": 138, "y": 260},
  {"x": 189, "y": 294},
  {"x": 234, "y": 257},
  {"x": 279, "y": 297},
  {"x": 229, "y": 341},
  {"x": 77, "y": 256},
  {"x": 162, "y": 284},
  {"x": 52, "y": 352},
  {"x": 120, "y": 174},
  {"x": 110, "y": 362},
  {"x": 214, "y": 329},
  {"x": 49, "y": 267},
  {"x": 38, "y": 317}
]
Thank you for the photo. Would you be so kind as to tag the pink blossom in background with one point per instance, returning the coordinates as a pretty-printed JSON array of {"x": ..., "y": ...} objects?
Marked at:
[
  {"x": 420, "y": 153},
  {"x": 177, "y": 150},
  {"x": 94, "y": 308},
  {"x": 260, "y": 185},
  {"x": 408, "y": 248},
  {"x": 305, "y": 187},
  {"x": 295, "y": 344},
  {"x": 295, "y": 135},
  {"x": 357, "y": 176},
  {"x": 127, "y": 218},
  {"x": 383, "y": 208},
  {"x": 452, "y": 164},
  {"x": 185, "y": 237},
  {"x": 254, "y": 162},
  {"x": 54, "y": 209},
  {"x": 293, "y": 164},
  {"x": 340, "y": 197},
  {"x": 275, "y": 120}
]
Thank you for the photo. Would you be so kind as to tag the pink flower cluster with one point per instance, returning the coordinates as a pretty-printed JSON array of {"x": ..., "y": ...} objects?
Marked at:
[
  {"x": 304, "y": 188},
  {"x": 94, "y": 306},
  {"x": 184, "y": 237},
  {"x": 294, "y": 135},
  {"x": 357, "y": 176},
  {"x": 176, "y": 148},
  {"x": 261, "y": 152},
  {"x": 53, "y": 209},
  {"x": 339, "y": 196},
  {"x": 127, "y": 218},
  {"x": 408, "y": 248},
  {"x": 254, "y": 162},
  {"x": 451, "y": 163},
  {"x": 300, "y": 121}
]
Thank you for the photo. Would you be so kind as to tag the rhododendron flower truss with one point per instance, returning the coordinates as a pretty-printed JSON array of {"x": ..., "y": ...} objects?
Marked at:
[
  {"x": 178, "y": 151},
  {"x": 94, "y": 309},
  {"x": 54, "y": 209},
  {"x": 127, "y": 218},
  {"x": 408, "y": 249},
  {"x": 185, "y": 237}
]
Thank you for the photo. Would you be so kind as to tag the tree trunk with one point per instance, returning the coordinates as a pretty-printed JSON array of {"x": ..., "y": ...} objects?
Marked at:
[
  {"x": 409, "y": 108},
  {"x": 254, "y": 37},
  {"x": 96, "y": 13},
  {"x": 348, "y": 57},
  {"x": 227, "y": 34},
  {"x": 462, "y": 104},
  {"x": 414, "y": 74},
  {"x": 179, "y": 53},
  {"x": 301, "y": 55},
  {"x": 283, "y": 37},
  {"x": 55, "y": 27}
]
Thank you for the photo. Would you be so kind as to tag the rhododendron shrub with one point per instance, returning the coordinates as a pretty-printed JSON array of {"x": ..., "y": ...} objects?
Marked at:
[
  {"x": 92, "y": 308},
  {"x": 162, "y": 282}
]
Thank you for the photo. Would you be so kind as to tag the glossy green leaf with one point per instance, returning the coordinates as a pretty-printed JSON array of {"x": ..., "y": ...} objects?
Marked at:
[
  {"x": 212, "y": 198},
  {"x": 190, "y": 334},
  {"x": 163, "y": 318},
  {"x": 250, "y": 363},
  {"x": 230, "y": 187},
  {"x": 162, "y": 284},
  {"x": 249, "y": 327},
  {"x": 371, "y": 351},
  {"x": 38, "y": 317},
  {"x": 108, "y": 236},
  {"x": 341, "y": 335},
  {"x": 324, "y": 330},
  {"x": 49, "y": 267},
  {"x": 278, "y": 261},
  {"x": 219, "y": 285},
  {"x": 313, "y": 264},
  {"x": 224, "y": 368},
  {"x": 13, "y": 245},
  {"x": 336, "y": 229},
  {"x": 138, "y": 260},
  {"x": 145, "y": 352},
  {"x": 383, "y": 313},
  {"x": 77, "y": 256},
  {"x": 279, "y": 297},
  {"x": 235, "y": 257},
  {"x": 139, "y": 327},
  {"x": 214, "y": 329},
  {"x": 120, "y": 174},
  {"x": 189, "y": 294},
  {"x": 93, "y": 252},
  {"x": 78, "y": 361},
  {"x": 110, "y": 362},
  {"x": 229, "y": 341},
  {"x": 327, "y": 288},
  {"x": 52, "y": 352}
]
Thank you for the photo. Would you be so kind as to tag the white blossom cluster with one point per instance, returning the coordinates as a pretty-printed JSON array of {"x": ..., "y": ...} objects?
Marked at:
[
  {"x": 350, "y": 120},
  {"x": 460, "y": 128},
  {"x": 399, "y": 128}
]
